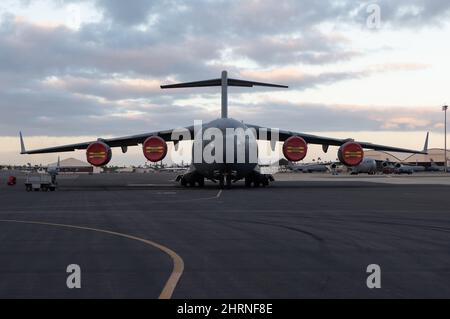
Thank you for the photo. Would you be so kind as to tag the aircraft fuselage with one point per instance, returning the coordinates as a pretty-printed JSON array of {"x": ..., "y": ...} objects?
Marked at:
[{"x": 230, "y": 159}]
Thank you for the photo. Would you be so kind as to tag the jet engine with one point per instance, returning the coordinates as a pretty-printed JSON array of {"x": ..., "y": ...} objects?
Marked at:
[
  {"x": 98, "y": 154},
  {"x": 295, "y": 148},
  {"x": 155, "y": 149},
  {"x": 351, "y": 154}
]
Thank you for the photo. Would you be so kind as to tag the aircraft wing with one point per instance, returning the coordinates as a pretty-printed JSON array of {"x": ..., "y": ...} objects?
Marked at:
[
  {"x": 112, "y": 142},
  {"x": 327, "y": 141}
]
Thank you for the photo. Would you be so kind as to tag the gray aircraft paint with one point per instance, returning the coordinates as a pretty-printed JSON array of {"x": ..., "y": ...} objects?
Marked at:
[
  {"x": 226, "y": 167},
  {"x": 368, "y": 166},
  {"x": 309, "y": 168},
  {"x": 201, "y": 170},
  {"x": 409, "y": 169}
]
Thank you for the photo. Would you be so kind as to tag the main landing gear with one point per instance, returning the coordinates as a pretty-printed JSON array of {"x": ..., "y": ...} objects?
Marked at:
[
  {"x": 191, "y": 181},
  {"x": 257, "y": 180},
  {"x": 225, "y": 181}
]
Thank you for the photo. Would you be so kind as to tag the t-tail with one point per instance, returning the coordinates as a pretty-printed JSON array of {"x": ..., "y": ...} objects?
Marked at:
[{"x": 224, "y": 82}]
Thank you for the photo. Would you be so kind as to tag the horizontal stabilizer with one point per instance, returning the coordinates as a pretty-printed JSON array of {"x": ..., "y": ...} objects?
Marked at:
[{"x": 218, "y": 82}]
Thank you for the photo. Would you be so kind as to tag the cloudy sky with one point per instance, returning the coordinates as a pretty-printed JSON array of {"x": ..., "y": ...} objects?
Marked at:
[{"x": 72, "y": 70}]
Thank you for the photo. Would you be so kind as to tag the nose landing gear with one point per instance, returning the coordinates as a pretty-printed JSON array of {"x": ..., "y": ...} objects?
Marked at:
[{"x": 225, "y": 181}]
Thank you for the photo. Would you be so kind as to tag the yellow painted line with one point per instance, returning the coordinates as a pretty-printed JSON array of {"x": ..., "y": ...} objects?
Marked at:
[{"x": 178, "y": 263}]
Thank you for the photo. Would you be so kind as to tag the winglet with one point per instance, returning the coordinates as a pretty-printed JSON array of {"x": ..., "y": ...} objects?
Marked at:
[
  {"x": 22, "y": 144},
  {"x": 425, "y": 147}
]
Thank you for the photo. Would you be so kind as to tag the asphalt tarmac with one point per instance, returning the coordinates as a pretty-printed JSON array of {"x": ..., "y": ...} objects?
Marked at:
[{"x": 142, "y": 236}]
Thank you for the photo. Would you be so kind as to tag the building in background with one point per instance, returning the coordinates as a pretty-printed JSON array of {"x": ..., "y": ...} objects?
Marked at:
[
  {"x": 75, "y": 166},
  {"x": 125, "y": 170},
  {"x": 435, "y": 155}
]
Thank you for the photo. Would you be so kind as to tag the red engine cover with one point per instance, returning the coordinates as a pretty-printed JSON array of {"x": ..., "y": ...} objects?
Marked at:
[
  {"x": 295, "y": 148},
  {"x": 351, "y": 154},
  {"x": 98, "y": 154},
  {"x": 155, "y": 149}
]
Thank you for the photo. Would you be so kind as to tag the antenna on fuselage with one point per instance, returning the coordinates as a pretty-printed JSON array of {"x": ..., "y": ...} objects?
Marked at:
[{"x": 224, "y": 82}]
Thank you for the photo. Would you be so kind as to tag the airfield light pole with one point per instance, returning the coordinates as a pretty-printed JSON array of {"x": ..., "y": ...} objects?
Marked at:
[{"x": 445, "y": 108}]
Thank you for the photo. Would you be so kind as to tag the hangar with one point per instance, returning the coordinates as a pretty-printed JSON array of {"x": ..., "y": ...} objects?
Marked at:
[
  {"x": 434, "y": 155},
  {"x": 75, "y": 166}
]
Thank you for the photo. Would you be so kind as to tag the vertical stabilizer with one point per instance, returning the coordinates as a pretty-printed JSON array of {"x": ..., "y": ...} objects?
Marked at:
[{"x": 224, "y": 94}]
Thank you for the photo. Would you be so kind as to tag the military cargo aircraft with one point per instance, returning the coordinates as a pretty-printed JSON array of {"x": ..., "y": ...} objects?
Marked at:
[
  {"x": 214, "y": 157},
  {"x": 367, "y": 166}
]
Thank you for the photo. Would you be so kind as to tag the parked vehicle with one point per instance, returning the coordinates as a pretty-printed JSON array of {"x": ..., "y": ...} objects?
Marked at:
[
  {"x": 12, "y": 181},
  {"x": 38, "y": 181}
]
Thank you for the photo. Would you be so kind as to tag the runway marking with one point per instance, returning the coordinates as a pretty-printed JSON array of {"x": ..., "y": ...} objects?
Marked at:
[{"x": 178, "y": 263}]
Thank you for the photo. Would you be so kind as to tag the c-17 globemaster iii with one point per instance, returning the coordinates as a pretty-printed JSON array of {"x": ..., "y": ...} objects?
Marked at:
[{"x": 224, "y": 150}]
